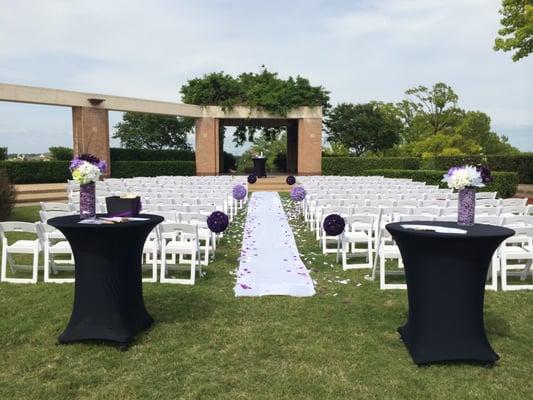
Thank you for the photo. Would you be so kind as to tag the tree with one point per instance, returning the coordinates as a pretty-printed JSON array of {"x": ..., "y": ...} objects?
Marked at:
[
  {"x": 3, "y": 153},
  {"x": 516, "y": 33},
  {"x": 150, "y": 131},
  {"x": 475, "y": 126},
  {"x": 440, "y": 144},
  {"x": 436, "y": 106},
  {"x": 362, "y": 128}
]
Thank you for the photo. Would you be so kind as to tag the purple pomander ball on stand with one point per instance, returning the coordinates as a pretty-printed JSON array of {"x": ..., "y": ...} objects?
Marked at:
[{"x": 334, "y": 225}]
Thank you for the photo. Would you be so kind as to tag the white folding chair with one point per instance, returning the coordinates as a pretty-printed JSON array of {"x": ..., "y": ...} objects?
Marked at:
[
  {"x": 51, "y": 247},
  {"x": 358, "y": 231},
  {"x": 520, "y": 248},
  {"x": 22, "y": 246},
  {"x": 185, "y": 243},
  {"x": 52, "y": 206}
]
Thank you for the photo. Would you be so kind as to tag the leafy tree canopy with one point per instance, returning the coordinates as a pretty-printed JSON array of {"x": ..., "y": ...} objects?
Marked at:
[
  {"x": 516, "y": 33},
  {"x": 363, "y": 128},
  {"x": 150, "y": 131},
  {"x": 264, "y": 90},
  {"x": 440, "y": 144}
]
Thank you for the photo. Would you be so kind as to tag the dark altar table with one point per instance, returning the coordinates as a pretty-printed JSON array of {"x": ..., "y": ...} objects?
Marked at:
[
  {"x": 108, "y": 293},
  {"x": 446, "y": 274},
  {"x": 260, "y": 167}
]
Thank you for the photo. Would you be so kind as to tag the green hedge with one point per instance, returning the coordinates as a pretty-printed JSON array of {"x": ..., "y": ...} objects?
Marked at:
[
  {"x": 130, "y": 169},
  {"x": 36, "y": 171},
  {"x": 505, "y": 183},
  {"x": 521, "y": 163},
  {"x": 60, "y": 153},
  {"x": 57, "y": 171},
  {"x": 118, "y": 154},
  {"x": 359, "y": 165}
]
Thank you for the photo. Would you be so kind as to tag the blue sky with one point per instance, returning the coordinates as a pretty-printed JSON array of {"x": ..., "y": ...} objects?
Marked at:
[{"x": 359, "y": 50}]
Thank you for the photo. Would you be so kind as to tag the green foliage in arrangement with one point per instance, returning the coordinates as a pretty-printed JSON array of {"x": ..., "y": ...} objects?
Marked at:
[
  {"x": 130, "y": 169},
  {"x": 151, "y": 131},
  {"x": 3, "y": 153},
  {"x": 516, "y": 33},
  {"x": 363, "y": 128},
  {"x": 8, "y": 196},
  {"x": 119, "y": 154},
  {"x": 505, "y": 183},
  {"x": 60, "y": 153}
]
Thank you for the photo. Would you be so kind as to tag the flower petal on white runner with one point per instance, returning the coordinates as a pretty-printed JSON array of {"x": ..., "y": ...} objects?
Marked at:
[{"x": 270, "y": 263}]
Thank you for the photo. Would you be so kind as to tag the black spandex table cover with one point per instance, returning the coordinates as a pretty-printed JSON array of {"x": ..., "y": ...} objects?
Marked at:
[
  {"x": 108, "y": 293},
  {"x": 260, "y": 167},
  {"x": 446, "y": 276}
]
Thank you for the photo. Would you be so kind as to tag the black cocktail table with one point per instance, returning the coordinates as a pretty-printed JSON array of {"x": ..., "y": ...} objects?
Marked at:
[
  {"x": 108, "y": 293},
  {"x": 260, "y": 167},
  {"x": 446, "y": 276}
]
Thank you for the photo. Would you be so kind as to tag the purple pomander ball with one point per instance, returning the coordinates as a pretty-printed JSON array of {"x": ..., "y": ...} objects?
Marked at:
[
  {"x": 298, "y": 193},
  {"x": 217, "y": 222},
  {"x": 252, "y": 179},
  {"x": 334, "y": 224},
  {"x": 239, "y": 192},
  {"x": 291, "y": 180}
]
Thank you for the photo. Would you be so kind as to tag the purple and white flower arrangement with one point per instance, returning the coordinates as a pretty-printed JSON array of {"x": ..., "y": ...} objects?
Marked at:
[
  {"x": 467, "y": 176},
  {"x": 87, "y": 169},
  {"x": 239, "y": 192}
]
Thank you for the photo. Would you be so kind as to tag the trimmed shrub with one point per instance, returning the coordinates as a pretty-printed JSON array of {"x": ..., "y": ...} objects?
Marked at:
[
  {"x": 118, "y": 154},
  {"x": 130, "y": 169},
  {"x": 230, "y": 162},
  {"x": 359, "y": 165},
  {"x": 36, "y": 171},
  {"x": 61, "y": 153},
  {"x": 8, "y": 196},
  {"x": 520, "y": 163},
  {"x": 505, "y": 183},
  {"x": 3, "y": 153}
]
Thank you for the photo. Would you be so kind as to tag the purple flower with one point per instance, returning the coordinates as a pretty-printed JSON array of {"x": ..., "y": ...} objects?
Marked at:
[
  {"x": 484, "y": 171},
  {"x": 333, "y": 224},
  {"x": 239, "y": 192},
  {"x": 452, "y": 170},
  {"x": 298, "y": 193},
  {"x": 89, "y": 158},
  {"x": 217, "y": 222},
  {"x": 102, "y": 166},
  {"x": 75, "y": 163}
]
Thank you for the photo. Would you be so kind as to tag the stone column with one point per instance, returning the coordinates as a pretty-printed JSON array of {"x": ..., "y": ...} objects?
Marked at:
[
  {"x": 90, "y": 127},
  {"x": 292, "y": 147},
  {"x": 207, "y": 146},
  {"x": 310, "y": 146}
]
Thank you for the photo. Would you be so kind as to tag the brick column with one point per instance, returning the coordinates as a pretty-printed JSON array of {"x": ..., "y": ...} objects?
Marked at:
[
  {"x": 207, "y": 146},
  {"x": 310, "y": 146},
  {"x": 90, "y": 127}
]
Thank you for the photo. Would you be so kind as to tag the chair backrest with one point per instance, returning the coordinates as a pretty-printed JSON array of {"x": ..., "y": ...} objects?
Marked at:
[
  {"x": 514, "y": 202},
  {"x": 488, "y": 210},
  {"x": 51, "y": 206},
  {"x": 523, "y": 234},
  {"x": 170, "y": 216},
  {"x": 16, "y": 226},
  {"x": 434, "y": 211},
  {"x": 46, "y": 215},
  {"x": 359, "y": 222},
  {"x": 487, "y": 202},
  {"x": 485, "y": 195},
  {"x": 416, "y": 217},
  {"x": 407, "y": 203},
  {"x": 517, "y": 221},
  {"x": 489, "y": 219},
  {"x": 448, "y": 211},
  {"x": 517, "y": 210},
  {"x": 180, "y": 228}
]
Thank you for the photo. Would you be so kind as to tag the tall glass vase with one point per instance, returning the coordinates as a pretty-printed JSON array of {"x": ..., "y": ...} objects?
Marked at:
[
  {"x": 466, "y": 209},
  {"x": 88, "y": 201}
]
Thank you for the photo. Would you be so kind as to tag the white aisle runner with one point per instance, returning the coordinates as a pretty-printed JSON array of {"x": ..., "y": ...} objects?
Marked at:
[{"x": 270, "y": 263}]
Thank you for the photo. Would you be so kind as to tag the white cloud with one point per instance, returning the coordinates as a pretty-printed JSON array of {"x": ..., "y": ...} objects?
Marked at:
[{"x": 359, "y": 50}]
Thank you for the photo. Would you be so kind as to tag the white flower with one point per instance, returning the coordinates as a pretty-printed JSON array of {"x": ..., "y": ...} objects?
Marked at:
[
  {"x": 460, "y": 178},
  {"x": 86, "y": 173}
]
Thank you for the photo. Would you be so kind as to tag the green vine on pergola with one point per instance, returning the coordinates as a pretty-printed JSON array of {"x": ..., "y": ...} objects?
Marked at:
[{"x": 263, "y": 91}]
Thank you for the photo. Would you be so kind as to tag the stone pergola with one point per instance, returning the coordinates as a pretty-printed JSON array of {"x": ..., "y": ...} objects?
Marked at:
[{"x": 90, "y": 123}]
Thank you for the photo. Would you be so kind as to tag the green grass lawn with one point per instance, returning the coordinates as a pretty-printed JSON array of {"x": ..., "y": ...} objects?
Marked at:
[{"x": 205, "y": 343}]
